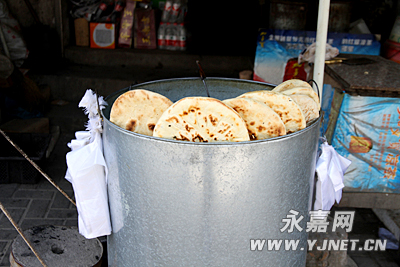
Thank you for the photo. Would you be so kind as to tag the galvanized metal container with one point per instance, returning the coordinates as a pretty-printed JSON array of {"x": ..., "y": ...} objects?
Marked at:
[{"x": 176, "y": 203}]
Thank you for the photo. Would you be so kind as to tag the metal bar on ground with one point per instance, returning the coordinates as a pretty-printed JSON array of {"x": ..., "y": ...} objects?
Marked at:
[
  {"x": 21, "y": 233},
  {"x": 36, "y": 166}
]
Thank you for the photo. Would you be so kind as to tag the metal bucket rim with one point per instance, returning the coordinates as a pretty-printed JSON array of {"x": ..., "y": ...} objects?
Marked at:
[
  {"x": 189, "y": 143},
  {"x": 186, "y": 78}
]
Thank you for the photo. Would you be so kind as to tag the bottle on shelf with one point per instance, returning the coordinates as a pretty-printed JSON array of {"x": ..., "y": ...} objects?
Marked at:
[
  {"x": 161, "y": 36},
  {"x": 182, "y": 37},
  {"x": 166, "y": 14}
]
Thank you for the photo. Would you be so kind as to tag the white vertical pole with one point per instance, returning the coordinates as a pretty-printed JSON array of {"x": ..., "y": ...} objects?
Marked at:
[{"x": 322, "y": 33}]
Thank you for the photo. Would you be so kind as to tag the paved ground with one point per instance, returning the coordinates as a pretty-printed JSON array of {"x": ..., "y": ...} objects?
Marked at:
[
  {"x": 41, "y": 204},
  {"x": 366, "y": 226},
  {"x": 37, "y": 204}
]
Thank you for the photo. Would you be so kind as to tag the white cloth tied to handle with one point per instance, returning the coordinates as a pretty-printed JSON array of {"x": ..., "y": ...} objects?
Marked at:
[
  {"x": 330, "y": 169},
  {"x": 87, "y": 172}
]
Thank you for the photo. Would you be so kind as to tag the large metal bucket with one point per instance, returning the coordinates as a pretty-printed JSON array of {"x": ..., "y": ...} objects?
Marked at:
[{"x": 177, "y": 203}]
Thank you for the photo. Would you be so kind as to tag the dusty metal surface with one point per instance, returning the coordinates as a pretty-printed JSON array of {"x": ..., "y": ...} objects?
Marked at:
[
  {"x": 59, "y": 246},
  {"x": 377, "y": 79},
  {"x": 176, "y": 203}
]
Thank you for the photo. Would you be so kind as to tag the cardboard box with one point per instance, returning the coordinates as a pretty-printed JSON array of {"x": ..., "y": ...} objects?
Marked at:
[
  {"x": 81, "y": 32},
  {"x": 102, "y": 35}
]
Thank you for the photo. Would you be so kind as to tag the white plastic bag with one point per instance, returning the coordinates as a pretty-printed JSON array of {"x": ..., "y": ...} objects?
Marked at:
[
  {"x": 330, "y": 169},
  {"x": 87, "y": 171},
  {"x": 309, "y": 54},
  {"x": 13, "y": 36}
]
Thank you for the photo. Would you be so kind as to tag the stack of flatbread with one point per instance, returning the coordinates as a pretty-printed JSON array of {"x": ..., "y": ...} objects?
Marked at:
[
  {"x": 251, "y": 116},
  {"x": 303, "y": 94}
]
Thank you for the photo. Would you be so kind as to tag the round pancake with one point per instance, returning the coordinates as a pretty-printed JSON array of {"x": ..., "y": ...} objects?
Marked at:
[
  {"x": 287, "y": 109},
  {"x": 261, "y": 121},
  {"x": 201, "y": 119},
  {"x": 303, "y": 91},
  {"x": 290, "y": 84},
  {"x": 308, "y": 106},
  {"x": 139, "y": 110}
]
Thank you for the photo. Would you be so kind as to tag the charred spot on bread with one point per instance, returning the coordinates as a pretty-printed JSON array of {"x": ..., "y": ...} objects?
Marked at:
[
  {"x": 213, "y": 120},
  {"x": 131, "y": 125},
  {"x": 199, "y": 138},
  {"x": 151, "y": 126},
  {"x": 188, "y": 128},
  {"x": 261, "y": 128},
  {"x": 173, "y": 118}
]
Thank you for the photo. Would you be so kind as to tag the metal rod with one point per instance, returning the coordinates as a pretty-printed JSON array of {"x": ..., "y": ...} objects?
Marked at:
[
  {"x": 202, "y": 76},
  {"x": 320, "y": 49},
  {"x": 21, "y": 233},
  {"x": 33, "y": 12},
  {"x": 59, "y": 24},
  {"x": 36, "y": 166},
  {"x": 98, "y": 104}
]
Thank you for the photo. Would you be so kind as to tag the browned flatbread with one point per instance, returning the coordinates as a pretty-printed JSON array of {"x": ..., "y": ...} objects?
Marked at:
[
  {"x": 287, "y": 109},
  {"x": 201, "y": 119},
  {"x": 308, "y": 106},
  {"x": 290, "y": 84},
  {"x": 261, "y": 121},
  {"x": 139, "y": 110},
  {"x": 303, "y": 91}
]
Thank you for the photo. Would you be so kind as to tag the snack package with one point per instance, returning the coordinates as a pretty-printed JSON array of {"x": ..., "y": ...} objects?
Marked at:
[
  {"x": 145, "y": 31},
  {"x": 102, "y": 35},
  {"x": 125, "y": 30}
]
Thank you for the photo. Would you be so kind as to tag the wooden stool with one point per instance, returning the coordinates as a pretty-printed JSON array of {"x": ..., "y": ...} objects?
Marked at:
[{"x": 60, "y": 246}]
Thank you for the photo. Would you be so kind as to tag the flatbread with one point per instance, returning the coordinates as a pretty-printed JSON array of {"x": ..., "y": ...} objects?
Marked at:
[
  {"x": 308, "y": 106},
  {"x": 303, "y": 91},
  {"x": 261, "y": 121},
  {"x": 287, "y": 109},
  {"x": 290, "y": 84},
  {"x": 201, "y": 119},
  {"x": 139, "y": 110}
]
